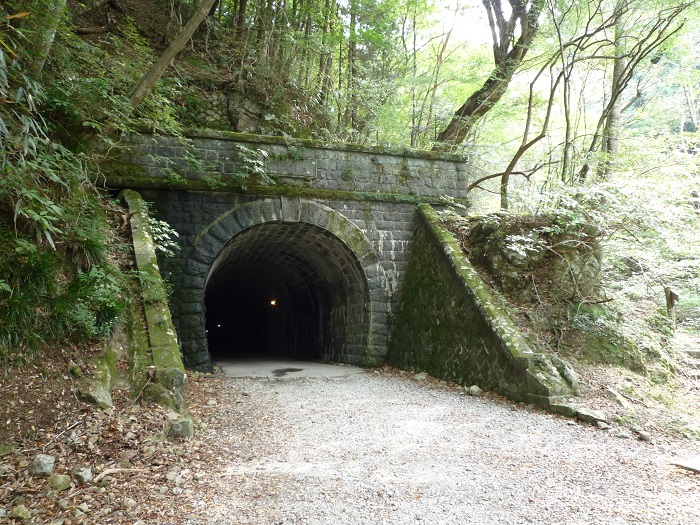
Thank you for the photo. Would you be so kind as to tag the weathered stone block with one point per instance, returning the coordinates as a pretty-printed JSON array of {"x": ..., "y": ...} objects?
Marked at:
[
  {"x": 59, "y": 481},
  {"x": 196, "y": 269},
  {"x": 290, "y": 209},
  {"x": 83, "y": 475},
  {"x": 41, "y": 465},
  {"x": 180, "y": 426}
]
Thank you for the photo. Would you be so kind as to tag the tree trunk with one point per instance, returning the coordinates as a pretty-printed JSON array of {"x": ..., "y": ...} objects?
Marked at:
[
  {"x": 611, "y": 133},
  {"x": 414, "y": 73},
  {"x": 240, "y": 20},
  {"x": 43, "y": 25},
  {"x": 658, "y": 33},
  {"x": 149, "y": 81},
  {"x": 351, "y": 70},
  {"x": 325, "y": 54},
  {"x": 690, "y": 99},
  {"x": 507, "y": 62}
]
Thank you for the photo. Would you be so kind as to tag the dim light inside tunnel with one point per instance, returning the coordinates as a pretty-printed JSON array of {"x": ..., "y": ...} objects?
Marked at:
[{"x": 289, "y": 290}]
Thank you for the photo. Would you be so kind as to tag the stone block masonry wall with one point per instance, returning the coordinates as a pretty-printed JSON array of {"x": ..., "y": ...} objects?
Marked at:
[
  {"x": 216, "y": 110},
  {"x": 216, "y": 158},
  {"x": 448, "y": 324},
  {"x": 386, "y": 227}
]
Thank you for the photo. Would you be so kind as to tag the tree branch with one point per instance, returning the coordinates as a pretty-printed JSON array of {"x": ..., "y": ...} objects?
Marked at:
[
  {"x": 526, "y": 174},
  {"x": 508, "y": 55}
]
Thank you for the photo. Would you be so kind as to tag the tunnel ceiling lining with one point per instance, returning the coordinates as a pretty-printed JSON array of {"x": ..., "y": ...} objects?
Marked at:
[{"x": 280, "y": 255}]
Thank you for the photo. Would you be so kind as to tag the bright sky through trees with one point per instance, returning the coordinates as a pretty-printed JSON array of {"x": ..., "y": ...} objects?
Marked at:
[{"x": 467, "y": 20}]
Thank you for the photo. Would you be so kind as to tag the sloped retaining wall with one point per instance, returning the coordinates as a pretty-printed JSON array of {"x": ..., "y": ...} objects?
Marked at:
[
  {"x": 157, "y": 365},
  {"x": 449, "y": 325}
]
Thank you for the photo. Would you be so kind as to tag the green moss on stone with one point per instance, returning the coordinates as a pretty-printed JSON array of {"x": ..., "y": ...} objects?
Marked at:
[
  {"x": 347, "y": 174},
  {"x": 192, "y": 133},
  {"x": 405, "y": 172},
  {"x": 158, "y": 394},
  {"x": 164, "y": 351},
  {"x": 96, "y": 388},
  {"x": 138, "y": 350},
  {"x": 448, "y": 324},
  {"x": 7, "y": 448},
  {"x": 145, "y": 181}
]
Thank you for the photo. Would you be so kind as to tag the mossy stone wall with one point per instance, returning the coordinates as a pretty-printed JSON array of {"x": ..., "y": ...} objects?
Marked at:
[
  {"x": 165, "y": 383},
  {"x": 218, "y": 160},
  {"x": 448, "y": 324}
]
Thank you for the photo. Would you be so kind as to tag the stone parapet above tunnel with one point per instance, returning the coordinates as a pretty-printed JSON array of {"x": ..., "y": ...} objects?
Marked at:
[{"x": 205, "y": 159}]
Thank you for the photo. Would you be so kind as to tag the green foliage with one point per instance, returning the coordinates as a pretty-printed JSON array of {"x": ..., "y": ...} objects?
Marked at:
[
  {"x": 90, "y": 82},
  {"x": 91, "y": 304},
  {"x": 57, "y": 283},
  {"x": 84, "y": 94},
  {"x": 164, "y": 236},
  {"x": 41, "y": 304},
  {"x": 30, "y": 276},
  {"x": 172, "y": 178},
  {"x": 600, "y": 339},
  {"x": 688, "y": 313},
  {"x": 254, "y": 166},
  {"x": 214, "y": 182},
  {"x": 188, "y": 100}
]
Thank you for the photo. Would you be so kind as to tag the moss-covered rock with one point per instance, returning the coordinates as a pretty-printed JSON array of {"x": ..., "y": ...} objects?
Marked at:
[
  {"x": 519, "y": 250},
  {"x": 181, "y": 426},
  {"x": 96, "y": 388},
  {"x": 59, "y": 481}
]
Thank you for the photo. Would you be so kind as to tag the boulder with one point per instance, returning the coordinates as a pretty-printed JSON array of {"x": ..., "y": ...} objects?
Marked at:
[
  {"x": 83, "y": 475},
  {"x": 180, "y": 425},
  {"x": 20, "y": 512}
]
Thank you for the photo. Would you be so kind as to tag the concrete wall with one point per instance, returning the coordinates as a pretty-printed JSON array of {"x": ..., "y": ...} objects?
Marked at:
[{"x": 447, "y": 324}]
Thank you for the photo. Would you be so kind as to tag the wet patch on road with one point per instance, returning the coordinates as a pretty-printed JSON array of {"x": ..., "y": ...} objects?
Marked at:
[{"x": 281, "y": 372}]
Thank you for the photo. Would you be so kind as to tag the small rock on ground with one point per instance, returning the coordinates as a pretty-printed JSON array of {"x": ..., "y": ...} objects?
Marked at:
[{"x": 41, "y": 465}]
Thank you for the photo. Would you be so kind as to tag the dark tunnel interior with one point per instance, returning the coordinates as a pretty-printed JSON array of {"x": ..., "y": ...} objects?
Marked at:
[{"x": 285, "y": 290}]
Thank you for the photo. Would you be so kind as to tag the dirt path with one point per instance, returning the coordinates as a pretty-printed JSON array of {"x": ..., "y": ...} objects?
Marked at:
[
  {"x": 374, "y": 448},
  {"x": 378, "y": 448}
]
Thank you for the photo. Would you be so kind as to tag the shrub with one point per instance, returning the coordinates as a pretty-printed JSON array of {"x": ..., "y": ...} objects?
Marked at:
[{"x": 57, "y": 282}]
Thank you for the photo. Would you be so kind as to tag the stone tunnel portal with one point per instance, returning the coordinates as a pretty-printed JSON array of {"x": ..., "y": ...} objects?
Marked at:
[{"x": 287, "y": 289}]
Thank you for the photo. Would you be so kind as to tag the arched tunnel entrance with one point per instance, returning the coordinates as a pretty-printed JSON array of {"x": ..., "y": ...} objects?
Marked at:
[{"x": 287, "y": 290}]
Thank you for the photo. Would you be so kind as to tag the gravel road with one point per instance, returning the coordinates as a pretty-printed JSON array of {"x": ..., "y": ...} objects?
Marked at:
[{"x": 384, "y": 448}]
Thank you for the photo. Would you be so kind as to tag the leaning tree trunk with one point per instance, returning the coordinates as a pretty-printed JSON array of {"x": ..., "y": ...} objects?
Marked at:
[
  {"x": 43, "y": 25},
  {"x": 149, "y": 81},
  {"x": 507, "y": 60}
]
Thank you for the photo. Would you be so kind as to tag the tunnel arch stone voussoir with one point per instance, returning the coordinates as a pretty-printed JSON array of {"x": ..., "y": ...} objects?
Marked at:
[{"x": 209, "y": 244}]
